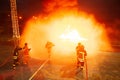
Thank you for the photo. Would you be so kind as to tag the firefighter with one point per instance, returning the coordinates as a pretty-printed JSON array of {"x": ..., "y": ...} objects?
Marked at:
[
  {"x": 81, "y": 55},
  {"x": 49, "y": 46},
  {"x": 16, "y": 56},
  {"x": 26, "y": 54}
]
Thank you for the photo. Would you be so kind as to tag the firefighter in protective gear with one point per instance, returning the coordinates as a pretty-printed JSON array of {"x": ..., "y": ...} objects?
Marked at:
[
  {"x": 16, "y": 56},
  {"x": 26, "y": 54},
  {"x": 81, "y": 55},
  {"x": 49, "y": 46}
]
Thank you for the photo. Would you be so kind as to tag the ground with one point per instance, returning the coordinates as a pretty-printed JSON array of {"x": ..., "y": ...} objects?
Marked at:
[
  {"x": 107, "y": 69},
  {"x": 103, "y": 66}
]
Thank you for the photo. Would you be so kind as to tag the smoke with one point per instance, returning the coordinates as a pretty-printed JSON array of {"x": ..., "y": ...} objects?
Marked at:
[
  {"x": 63, "y": 17},
  {"x": 52, "y": 6}
]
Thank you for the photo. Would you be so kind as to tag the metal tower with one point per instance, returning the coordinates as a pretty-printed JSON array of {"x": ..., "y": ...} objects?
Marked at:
[{"x": 14, "y": 18}]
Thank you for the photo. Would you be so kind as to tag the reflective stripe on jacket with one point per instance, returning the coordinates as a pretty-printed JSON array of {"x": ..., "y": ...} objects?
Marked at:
[{"x": 15, "y": 57}]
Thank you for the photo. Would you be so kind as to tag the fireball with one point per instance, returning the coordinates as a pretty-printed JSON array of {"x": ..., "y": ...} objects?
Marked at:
[{"x": 65, "y": 26}]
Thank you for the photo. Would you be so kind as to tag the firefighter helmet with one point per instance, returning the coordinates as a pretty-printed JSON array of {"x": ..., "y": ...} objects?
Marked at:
[
  {"x": 25, "y": 43},
  {"x": 79, "y": 43}
]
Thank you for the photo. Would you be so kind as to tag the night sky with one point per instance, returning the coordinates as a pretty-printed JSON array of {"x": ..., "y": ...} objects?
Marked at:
[{"x": 105, "y": 11}]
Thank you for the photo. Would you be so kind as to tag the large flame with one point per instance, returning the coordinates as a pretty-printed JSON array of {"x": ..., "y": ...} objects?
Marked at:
[
  {"x": 71, "y": 35},
  {"x": 65, "y": 27}
]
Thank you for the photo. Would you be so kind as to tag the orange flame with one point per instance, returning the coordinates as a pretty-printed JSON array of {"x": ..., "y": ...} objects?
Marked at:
[{"x": 83, "y": 28}]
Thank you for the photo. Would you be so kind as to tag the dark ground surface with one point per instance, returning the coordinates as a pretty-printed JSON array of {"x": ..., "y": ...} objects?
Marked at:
[{"x": 103, "y": 66}]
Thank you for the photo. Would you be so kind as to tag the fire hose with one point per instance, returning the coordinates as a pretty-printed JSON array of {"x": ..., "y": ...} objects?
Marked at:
[
  {"x": 38, "y": 69},
  {"x": 86, "y": 69}
]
